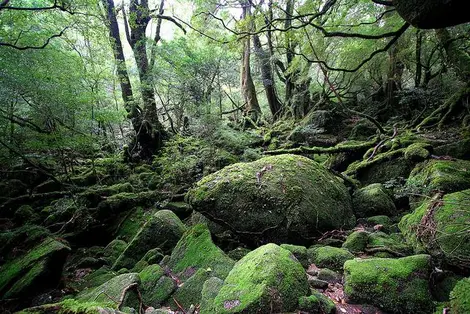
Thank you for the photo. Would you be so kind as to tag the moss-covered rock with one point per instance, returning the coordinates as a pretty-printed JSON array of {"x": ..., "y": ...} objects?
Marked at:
[
  {"x": 268, "y": 279},
  {"x": 190, "y": 293},
  {"x": 439, "y": 175},
  {"x": 273, "y": 197},
  {"x": 317, "y": 303},
  {"x": 210, "y": 290},
  {"x": 113, "y": 250},
  {"x": 71, "y": 306},
  {"x": 329, "y": 275},
  {"x": 443, "y": 284},
  {"x": 39, "y": 269},
  {"x": 418, "y": 152},
  {"x": 372, "y": 200},
  {"x": 238, "y": 253},
  {"x": 356, "y": 241},
  {"x": 21, "y": 239},
  {"x": 394, "y": 285},
  {"x": 163, "y": 230},
  {"x": 460, "y": 297},
  {"x": 114, "y": 289},
  {"x": 329, "y": 257},
  {"x": 195, "y": 250},
  {"x": 388, "y": 243},
  {"x": 155, "y": 286},
  {"x": 300, "y": 252},
  {"x": 441, "y": 228}
]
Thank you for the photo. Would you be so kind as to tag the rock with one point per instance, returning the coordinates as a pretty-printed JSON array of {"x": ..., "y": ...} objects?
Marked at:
[
  {"x": 181, "y": 209},
  {"x": 274, "y": 197},
  {"x": 388, "y": 245},
  {"x": 316, "y": 283},
  {"x": 190, "y": 293},
  {"x": 460, "y": 297},
  {"x": 195, "y": 250},
  {"x": 418, "y": 152},
  {"x": 329, "y": 275},
  {"x": 382, "y": 220},
  {"x": 394, "y": 285},
  {"x": 444, "y": 230},
  {"x": 300, "y": 253},
  {"x": 210, "y": 290},
  {"x": 37, "y": 270},
  {"x": 357, "y": 241},
  {"x": 316, "y": 303},
  {"x": 439, "y": 175},
  {"x": 329, "y": 257},
  {"x": 153, "y": 256},
  {"x": 113, "y": 250},
  {"x": 312, "y": 135},
  {"x": 268, "y": 279},
  {"x": 163, "y": 231},
  {"x": 459, "y": 149},
  {"x": 25, "y": 214},
  {"x": 114, "y": 289},
  {"x": 155, "y": 286},
  {"x": 372, "y": 200},
  {"x": 238, "y": 253},
  {"x": 443, "y": 284}
]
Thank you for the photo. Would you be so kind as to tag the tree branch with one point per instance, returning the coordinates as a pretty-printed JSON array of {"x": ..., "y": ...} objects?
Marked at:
[
  {"x": 35, "y": 47},
  {"x": 384, "y": 2},
  {"x": 4, "y": 6}
]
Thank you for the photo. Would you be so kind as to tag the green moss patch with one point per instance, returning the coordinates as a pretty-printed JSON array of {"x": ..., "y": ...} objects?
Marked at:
[
  {"x": 274, "y": 196},
  {"x": 329, "y": 257},
  {"x": 460, "y": 297},
  {"x": 394, "y": 285},
  {"x": 268, "y": 279},
  {"x": 372, "y": 200}
]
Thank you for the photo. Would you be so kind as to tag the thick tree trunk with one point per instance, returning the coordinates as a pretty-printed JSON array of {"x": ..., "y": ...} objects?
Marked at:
[
  {"x": 252, "y": 108},
  {"x": 456, "y": 56},
  {"x": 268, "y": 78}
]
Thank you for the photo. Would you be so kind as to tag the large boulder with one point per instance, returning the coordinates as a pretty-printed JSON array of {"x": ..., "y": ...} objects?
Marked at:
[
  {"x": 274, "y": 199},
  {"x": 443, "y": 175},
  {"x": 267, "y": 280},
  {"x": 373, "y": 200},
  {"x": 394, "y": 285},
  {"x": 163, "y": 231},
  {"x": 37, "y": 270},
  {"x": 460, "y": 297},
  {"x": 432, "y": 13},
  {"x": 440, "y": 226},
  {"x": 194, "y": 260}
]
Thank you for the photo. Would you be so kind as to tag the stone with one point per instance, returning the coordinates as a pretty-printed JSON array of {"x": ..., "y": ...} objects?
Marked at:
[
  {"x": 372, "y": 200},
  {"x": 394, "y": 285},
  {"x": 273, "y": 197},
  {"x": 268, "y": 279}
]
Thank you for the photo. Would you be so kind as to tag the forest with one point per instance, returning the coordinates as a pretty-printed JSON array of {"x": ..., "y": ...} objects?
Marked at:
[{"x": 234, "y": 156}]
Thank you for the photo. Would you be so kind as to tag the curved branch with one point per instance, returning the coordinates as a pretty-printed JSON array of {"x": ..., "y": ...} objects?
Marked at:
[
  {"x": 35, "y": 47},
  {"x": 384, "y": 2}
]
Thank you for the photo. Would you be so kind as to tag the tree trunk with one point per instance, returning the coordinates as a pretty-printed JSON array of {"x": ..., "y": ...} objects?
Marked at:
[
  {"x": 252, "y": 108},
  {"x": 456, "y": 56}
]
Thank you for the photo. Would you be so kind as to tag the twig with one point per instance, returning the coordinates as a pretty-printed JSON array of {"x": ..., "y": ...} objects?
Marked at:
[{"x": 179, "y": 306}]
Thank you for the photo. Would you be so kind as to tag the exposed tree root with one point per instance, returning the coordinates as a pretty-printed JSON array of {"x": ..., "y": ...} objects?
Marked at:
[
  {"x": 452, "y": 106},
  {"x": 340, "y": 148}
]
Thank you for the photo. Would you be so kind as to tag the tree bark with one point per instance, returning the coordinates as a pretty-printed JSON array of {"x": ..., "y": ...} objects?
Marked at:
[{"x": 252, "y": 108}]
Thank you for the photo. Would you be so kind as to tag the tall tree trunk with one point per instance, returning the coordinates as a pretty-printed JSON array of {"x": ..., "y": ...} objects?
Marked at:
[
  {"x": 419, "y": 65},
  {"x": 252, "y": 108},
  {"x": 268, "y": 78},
  {"x": 123, "y": 76}
]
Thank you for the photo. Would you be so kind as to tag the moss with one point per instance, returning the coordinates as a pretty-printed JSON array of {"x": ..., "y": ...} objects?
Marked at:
[
  {"x": 191, "y": 291},
  {"x": 272, "y": 193},
  {"x": 153, "y": 256},
  {"x": 356, "y": 241},
  {"x": 383, "y": 220},
  {"x": 210, "y": 289},
  {"x": 300, "y": 252},
  {"x": 418, "y": 152},
  {"x": 329, "y": 275},
  {"x": 394, "y": 242},
  {"x": 449, "y": 219},
  {"x": 443, "y": 285},
  {"x": 196, "y": 250},
  {"x": 155, "y": 286},
  {"x": 25, "y": 274},
  {"x": 163, "y": 230},
  {"x": 317, "y": 303},
  {"x": 93, "y": 279},
  {"x": 460, "y": 297},
  {"x": 238, "y": 253},
  {"x": 329, "y": 257},
  {"x": 439, "y": 175},
  {"x": 131, "y": 222},
  {"x": 71, "y": 306},
  {"x": 22, "y": 238},
  {"x": 25, "y": 214},
  {"x": 113, "y": 250},
  {"x": 112, "y": 289},
  {"x": 372, "y": 200},
  {"x": 394, "y": 285},
  {"x": 268, "y": 279},
  {"x": 122, "y": 202}
]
